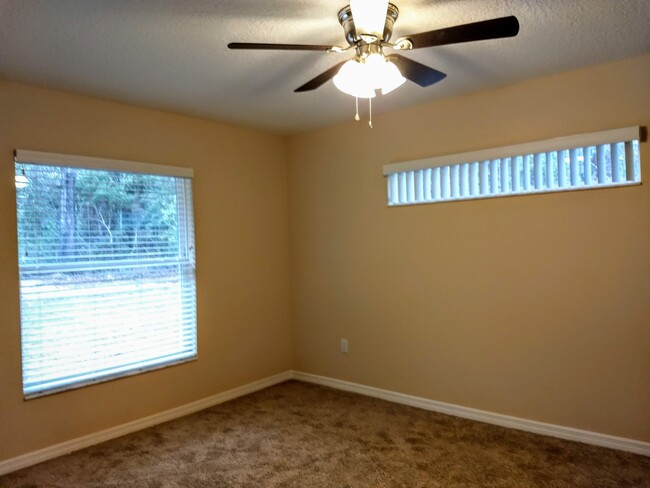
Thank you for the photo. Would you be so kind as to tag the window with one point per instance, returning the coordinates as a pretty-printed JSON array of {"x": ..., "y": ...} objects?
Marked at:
[
  {"x": 107, "y": 272},
  {"x": 608, "y": 158}
]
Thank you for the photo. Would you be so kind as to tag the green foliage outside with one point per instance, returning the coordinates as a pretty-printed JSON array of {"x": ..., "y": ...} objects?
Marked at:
[{"x": 78, "y": 215}]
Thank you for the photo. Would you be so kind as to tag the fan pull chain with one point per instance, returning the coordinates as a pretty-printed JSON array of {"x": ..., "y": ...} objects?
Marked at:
[{"x": 356, "y": 115}]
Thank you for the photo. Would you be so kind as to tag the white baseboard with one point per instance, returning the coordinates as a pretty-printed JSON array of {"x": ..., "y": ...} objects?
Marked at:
[
  {"x": 603, "y": 440},
  {"x": 585, "y": 436},
  {"x": 67, "y": 447}
]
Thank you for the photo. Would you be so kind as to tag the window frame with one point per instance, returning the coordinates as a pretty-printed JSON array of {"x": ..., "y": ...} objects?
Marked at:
[
  {"x": 448, "y": 164},
  {"x": 185, "y": 260}
]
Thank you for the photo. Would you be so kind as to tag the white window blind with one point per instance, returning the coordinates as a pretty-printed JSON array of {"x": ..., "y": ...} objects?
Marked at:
[
  {"x": 107, "y": 269},
  {"x": 600, "y": 159}
]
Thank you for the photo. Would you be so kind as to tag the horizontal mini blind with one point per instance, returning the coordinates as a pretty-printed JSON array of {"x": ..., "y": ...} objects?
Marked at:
[
  {"x": 608, "y": 158},
  {"x": 107, "y": 270}
]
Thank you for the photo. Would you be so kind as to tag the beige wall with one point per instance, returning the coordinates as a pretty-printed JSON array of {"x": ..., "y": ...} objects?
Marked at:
[
  {"x": 240, "y": 194},
  {"x": 534, "y": 306}
]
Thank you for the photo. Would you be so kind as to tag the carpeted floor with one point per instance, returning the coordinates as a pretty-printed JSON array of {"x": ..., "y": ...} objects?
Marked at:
[{"x": 306, "y": 436}]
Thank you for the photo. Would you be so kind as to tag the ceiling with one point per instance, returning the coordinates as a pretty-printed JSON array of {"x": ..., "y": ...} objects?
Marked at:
[{"x": 172, "y": 55}]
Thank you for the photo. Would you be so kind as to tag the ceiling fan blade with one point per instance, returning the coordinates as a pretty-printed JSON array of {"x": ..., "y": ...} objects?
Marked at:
[
  {"x": 476, "y": 31},
  {"x": 416, "y": 72},
  {"x": 320, "y": 79},
  {"x": 280, "y": 47}
]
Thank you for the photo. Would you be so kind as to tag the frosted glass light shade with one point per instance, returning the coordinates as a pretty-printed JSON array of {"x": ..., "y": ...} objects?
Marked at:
[
  {"x": 361, "y": 79},
  {"x": 392, "y": 78},
  {"x": 351, "y": 79},
  {"x": 374, "y": 68}
]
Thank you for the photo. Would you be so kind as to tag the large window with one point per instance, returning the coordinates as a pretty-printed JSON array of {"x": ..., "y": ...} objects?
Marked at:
[
  {"x": 600, "y": 159},
  {"x": 107, "y": 272}
]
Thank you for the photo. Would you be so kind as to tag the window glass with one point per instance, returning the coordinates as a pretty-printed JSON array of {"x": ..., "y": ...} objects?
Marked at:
[{"x": 107, "y": 275}]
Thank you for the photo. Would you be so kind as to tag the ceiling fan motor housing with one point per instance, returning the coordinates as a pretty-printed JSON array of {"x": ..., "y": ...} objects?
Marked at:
[{"x": 347, "y": 22}]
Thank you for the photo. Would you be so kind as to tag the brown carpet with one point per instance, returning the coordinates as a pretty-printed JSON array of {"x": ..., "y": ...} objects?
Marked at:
[{"x": 306, "y": 436}]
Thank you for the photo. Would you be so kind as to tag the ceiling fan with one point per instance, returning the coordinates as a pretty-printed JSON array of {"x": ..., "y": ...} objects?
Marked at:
[{"x": 368, "y": 26}]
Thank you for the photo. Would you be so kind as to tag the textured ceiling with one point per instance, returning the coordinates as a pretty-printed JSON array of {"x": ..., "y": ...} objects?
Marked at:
[{"x": 172, "y": 55}]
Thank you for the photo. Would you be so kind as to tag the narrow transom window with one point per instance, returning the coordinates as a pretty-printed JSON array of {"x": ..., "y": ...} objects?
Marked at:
[
  {"x": 600, "y": 159},
  {"x": 106, "y": 268}
]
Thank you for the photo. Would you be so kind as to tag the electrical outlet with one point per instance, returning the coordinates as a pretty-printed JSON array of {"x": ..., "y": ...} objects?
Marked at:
[{"x": 344, "y": 345}]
